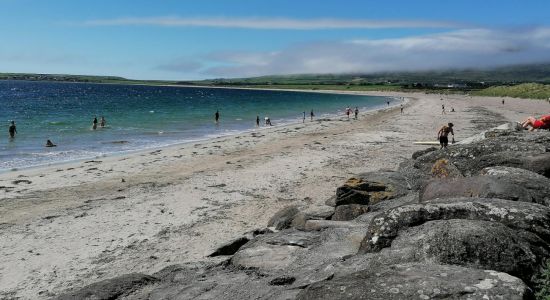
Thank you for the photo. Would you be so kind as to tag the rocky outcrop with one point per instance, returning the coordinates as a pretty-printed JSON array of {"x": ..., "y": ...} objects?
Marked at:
[
  {"x": 111, "y": 288},
  {"x": 522, "y": 216},
  {"x": 419, "y": 281},
  {"x": 469, "y": 222}
]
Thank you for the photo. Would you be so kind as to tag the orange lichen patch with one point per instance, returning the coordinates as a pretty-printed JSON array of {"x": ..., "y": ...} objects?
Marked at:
[
  {"x": 440, "y": 169},
  {"x": 376, "y": 197},
  {"x": 352, "y": 182}
]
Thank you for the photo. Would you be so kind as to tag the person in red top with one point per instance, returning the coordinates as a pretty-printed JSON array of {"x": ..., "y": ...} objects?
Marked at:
[{"x": 541, "y": 123}]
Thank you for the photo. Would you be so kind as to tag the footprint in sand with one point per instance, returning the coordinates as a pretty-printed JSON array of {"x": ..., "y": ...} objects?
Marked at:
[{"x": 18, "y": 181}]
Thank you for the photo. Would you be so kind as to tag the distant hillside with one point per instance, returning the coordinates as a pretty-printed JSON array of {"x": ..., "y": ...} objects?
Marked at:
[
  {"x": 475, "y": 78},
  {"x": 78, "y": 78},
  {"x": 503, "y": 81}
]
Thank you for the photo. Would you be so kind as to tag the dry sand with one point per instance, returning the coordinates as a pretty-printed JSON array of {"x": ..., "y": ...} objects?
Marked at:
[{"x": 69, "y": 225}]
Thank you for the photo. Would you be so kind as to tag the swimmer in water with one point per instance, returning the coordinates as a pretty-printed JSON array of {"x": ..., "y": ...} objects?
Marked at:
[
  {"x": 50, "y": 144},
  {"x": 12, "y": 130}
]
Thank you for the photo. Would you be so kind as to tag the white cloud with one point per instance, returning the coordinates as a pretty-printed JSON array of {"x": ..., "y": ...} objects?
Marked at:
[
  {"x": 271, "y": 23},
  {"x": 456, "y": 49}
]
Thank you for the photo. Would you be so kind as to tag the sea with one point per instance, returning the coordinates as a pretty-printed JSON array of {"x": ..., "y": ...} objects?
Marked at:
[{"x": 142, "y": 117}]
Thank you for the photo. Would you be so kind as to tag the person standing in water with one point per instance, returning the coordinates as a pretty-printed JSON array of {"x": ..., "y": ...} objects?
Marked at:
[
  {"x": 311, "y": 115},
  {"x": 217, "y": 116},
  {"x": 94, "y": 123},
  {"x": 348, "y": 111},
  {"x": 257, "y": 121},
  {"x": 304, "y": 118},
  {"x": 356, "y": 112},
  {"x": 102, "y": 122},
  {"x": 388, "y": 103},
  {"x": 12, "y": 130}
]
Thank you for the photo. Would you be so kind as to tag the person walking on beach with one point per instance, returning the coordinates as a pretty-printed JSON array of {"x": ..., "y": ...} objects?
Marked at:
[
  {"x": 12, "y": 130},
  {"x": 311, "y": 115},
  {"x": 257, "y": 121},
  {"x": 102, "y": 122},
  {"x": 356, "y": 112},
  {"x": 443, "y": 109},
  {"x": 401, "y": 108},
  {"x": 94, "y": 123},
  {"x": 502, "y": 101},
  {"x": 443, "y": 135},
  {"x": 348, "y": 111},
  {"x": 304, "y": 118},
  {"x": 217, "y": 116}
]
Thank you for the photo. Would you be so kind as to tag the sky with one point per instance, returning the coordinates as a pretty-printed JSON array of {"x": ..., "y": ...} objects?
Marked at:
[{"x": 201, "y": 39}]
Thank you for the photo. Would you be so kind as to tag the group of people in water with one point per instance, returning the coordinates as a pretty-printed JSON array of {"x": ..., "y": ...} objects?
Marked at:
[
  {"x": 102, "y": 123},
  {"x": 12, "y": 130}
]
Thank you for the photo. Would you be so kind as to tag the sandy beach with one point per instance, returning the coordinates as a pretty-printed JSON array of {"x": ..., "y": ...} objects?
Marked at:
[{"x": 68, "y": 225}]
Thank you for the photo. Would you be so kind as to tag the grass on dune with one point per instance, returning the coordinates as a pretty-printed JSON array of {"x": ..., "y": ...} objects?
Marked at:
[{"x": 525, "y": 90}]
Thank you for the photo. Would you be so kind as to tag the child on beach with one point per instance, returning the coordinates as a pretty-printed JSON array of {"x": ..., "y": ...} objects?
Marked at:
[{"x": 348, "y": 111}]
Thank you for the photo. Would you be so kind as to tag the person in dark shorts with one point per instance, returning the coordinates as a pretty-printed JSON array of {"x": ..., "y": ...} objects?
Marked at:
[
  {"x": 12, "y": 130},
  {"x": 443, "y": 135},
  {"x": 257, "y": 121}
]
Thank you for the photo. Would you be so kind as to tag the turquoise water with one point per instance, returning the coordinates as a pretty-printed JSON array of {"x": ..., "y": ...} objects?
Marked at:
[{"x": 141, "y": 117}]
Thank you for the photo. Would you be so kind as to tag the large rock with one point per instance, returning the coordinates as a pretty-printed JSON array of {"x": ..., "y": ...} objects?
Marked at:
[
  {"x": 274, "y": 251},
  {"x": 529, "y": 217},
  {"x": 316, "y": 213},
  {"x": 229, "y": 248},
  {"x": 283, "y": 218},
  {"x": 111, "y": 288},
  {"x": 371, "y": 188},
  {"x": 419, "y": 281},
  {"x": 476, "y": 186},
  {"x": 349, "y": 212},
  {"x": 470, "y": 243},
  {"x": 537, "y": 185}
]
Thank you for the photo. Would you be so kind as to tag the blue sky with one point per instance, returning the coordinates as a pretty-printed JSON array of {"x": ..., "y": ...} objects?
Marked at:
[{"x": 236, "y": 38}]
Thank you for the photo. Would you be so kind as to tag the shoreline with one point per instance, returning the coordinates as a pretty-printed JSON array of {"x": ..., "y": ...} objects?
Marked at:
[
  {"x": 68, "y": 227},
  {"x": 206, "y": 138}
]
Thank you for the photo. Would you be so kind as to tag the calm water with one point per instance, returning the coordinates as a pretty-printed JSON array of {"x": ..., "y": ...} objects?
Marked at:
[{"x": 140, "y": 117}]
